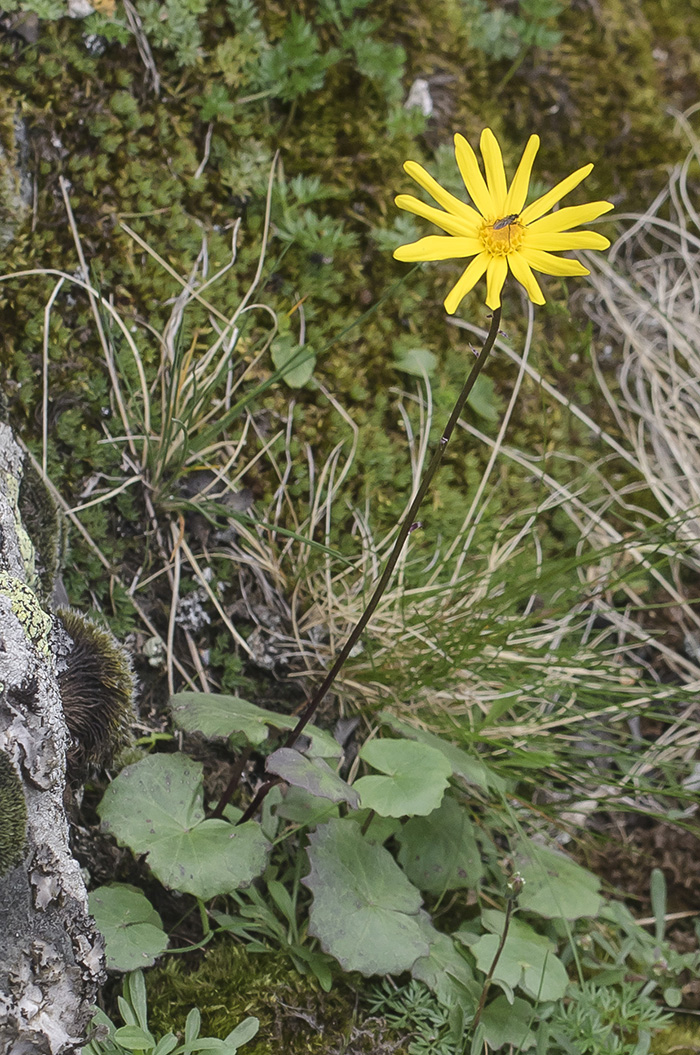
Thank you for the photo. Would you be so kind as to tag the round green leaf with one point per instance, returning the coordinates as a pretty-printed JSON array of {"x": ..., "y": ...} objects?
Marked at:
[
  {"x": 508, "y": 1023},
  {"x": 155, "y": 807},
  {"x": 528, "y": 959},
  {"x": 555, "y": 886},
  {"x": 312, "y": 774},
  {"x": 365, "y": 912},
  {"x": 415, "y": 781},
  {"x": 439, "y": 852},
  {"x": 416, "y": 360},
  {"x": 131, "y": 927},
  {"x": 295, "y": 361},
  {"x": 465, "y": 767}
]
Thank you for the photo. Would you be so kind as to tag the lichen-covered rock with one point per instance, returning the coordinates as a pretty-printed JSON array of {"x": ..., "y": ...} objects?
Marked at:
[{"x": 50, "y": 953}]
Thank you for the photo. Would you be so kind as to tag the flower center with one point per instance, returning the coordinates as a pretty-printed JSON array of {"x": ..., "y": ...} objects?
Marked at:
[{"x": 502, "y": 235}]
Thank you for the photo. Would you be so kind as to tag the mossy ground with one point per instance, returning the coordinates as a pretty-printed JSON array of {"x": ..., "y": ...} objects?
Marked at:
[{"x": 296, "y": 1016}]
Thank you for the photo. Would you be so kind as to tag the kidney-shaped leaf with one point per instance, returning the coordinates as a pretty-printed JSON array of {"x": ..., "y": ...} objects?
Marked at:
[
  {"x": 219, "y": 716},
  {"x": 554, "y": 884},
  {"x": 528, "y": 960},
  {"x": 415, "y": 781},
  {"x": 508, "y": 1023},
  {"x": 155, "y": 807},
  {"x": 464, "y": 766},
  {"x": 131, "y": 927},
  {"x": 365, "y": 912},
  {"x": 312, "y": 774},
  {"x": 439, "y": 852}
]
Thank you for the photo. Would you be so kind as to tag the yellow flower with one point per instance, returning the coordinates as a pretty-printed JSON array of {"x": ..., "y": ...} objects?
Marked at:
[{"x": 503, "y": 234}]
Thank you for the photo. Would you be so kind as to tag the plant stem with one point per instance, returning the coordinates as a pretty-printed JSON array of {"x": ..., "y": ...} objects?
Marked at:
[
  {"x": 516, "y": 886},
  {"x": 407, "y": 526}
]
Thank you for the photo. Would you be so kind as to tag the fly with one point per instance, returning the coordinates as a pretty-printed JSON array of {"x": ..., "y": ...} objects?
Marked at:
[{"x": 506, "y": 221}]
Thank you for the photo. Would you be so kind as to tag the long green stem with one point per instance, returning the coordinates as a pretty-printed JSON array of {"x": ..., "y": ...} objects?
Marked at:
[{"x": 408, "y": 524}]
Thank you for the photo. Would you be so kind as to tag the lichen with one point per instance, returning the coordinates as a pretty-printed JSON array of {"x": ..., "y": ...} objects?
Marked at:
[
  {"x": 11, "y": 487},
  {"x": 44, "y": 524},
  {"x": 25, "y": 604}
]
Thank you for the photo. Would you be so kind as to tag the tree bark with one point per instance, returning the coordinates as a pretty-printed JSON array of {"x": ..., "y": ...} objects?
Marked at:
[{"x": 51, "y": 958}]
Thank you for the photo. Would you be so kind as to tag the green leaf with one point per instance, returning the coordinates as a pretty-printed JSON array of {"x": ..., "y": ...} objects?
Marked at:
[
  {"x": 243, "y": 1032},
  {"x": 505, "y": 1023},
  {"x": 439, "y": 852},
  {"x": 528, "y": 959},
  {"x": 165, "y": 1045},
  {"x": 217, "y": 716},
  {"x": 135, "y": 992},
  {"x": 193, "y": 1024},
  {"x": 416, "y": 361},
  {"x": 464, "y": 766},
  {"x": 380, "y": 828},
  {"x": 448, "y": 974},
  {"x": 301, "y": 807},
  {"x": 220, "y": 716},
  {"x": 415, "y": 781},
  {"x": 312, "y": 774},
  {"x": 155, "y": 807},
  {"x": 297, "y": 363},
  {"x": 555, "y": 886},
  {"x": 484, "y": 400},
  {"x": 133, "y": 1038},
  {"x": 365, "y": 913},
  {"x": 131, "y": 927}
]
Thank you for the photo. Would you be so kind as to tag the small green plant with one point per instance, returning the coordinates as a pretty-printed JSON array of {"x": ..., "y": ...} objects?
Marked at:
[
  {"x": 504, "y": 35},
  {"x": 351, "y": 869},
  {"x": 134, "y": 1035},
  {"x": 597, "y": 1020}
]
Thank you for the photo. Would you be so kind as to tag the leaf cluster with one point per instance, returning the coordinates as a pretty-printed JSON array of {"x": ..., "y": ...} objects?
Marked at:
[
  {"x": 135, "y": 1035},
  {"x": 503, "y": 34},
  {"x": 353, "y": 875}
]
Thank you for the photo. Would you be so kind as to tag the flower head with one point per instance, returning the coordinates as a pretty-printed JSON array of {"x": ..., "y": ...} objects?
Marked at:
[{"x": 501, "y": 233}]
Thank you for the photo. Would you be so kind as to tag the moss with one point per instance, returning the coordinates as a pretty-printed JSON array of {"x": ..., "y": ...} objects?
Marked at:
[
  {"x": 45, "y": 526},
  {"x": 296, "y": 1016},
  {"x": 13, "y": 816},
  {"x": 681, "y": 1038},
  {"x": 97, "y": 688}
]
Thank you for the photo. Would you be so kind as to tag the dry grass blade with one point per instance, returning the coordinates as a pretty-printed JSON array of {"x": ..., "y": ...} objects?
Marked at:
[{"x": 648, "y": 304}]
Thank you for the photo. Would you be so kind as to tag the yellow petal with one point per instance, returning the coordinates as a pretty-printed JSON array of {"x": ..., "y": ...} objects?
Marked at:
[
  {"x": 495, "y": 173},
  {"x": 441, "y": 196},
  {"x": 495, "y": 277},
  {"x": 544, "y": 204},
  {"x": 552, "y": 265},
  {"x": 473, "y": 180},
  {"x": 446, "y": 220},
  {"x": 469, "y": 279},
  {"x": 521, "y": 180},
  {"x": 560, "y": 242},
  {"x": 572, "y": 216},
  {"x": 521, "y": 271},
  {"x": 438, "y": 247}
]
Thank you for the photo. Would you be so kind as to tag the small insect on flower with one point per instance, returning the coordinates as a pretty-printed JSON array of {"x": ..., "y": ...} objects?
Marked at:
[
  {"x": 496, "y": 227},
  {"x": 506, "y": 221}
]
